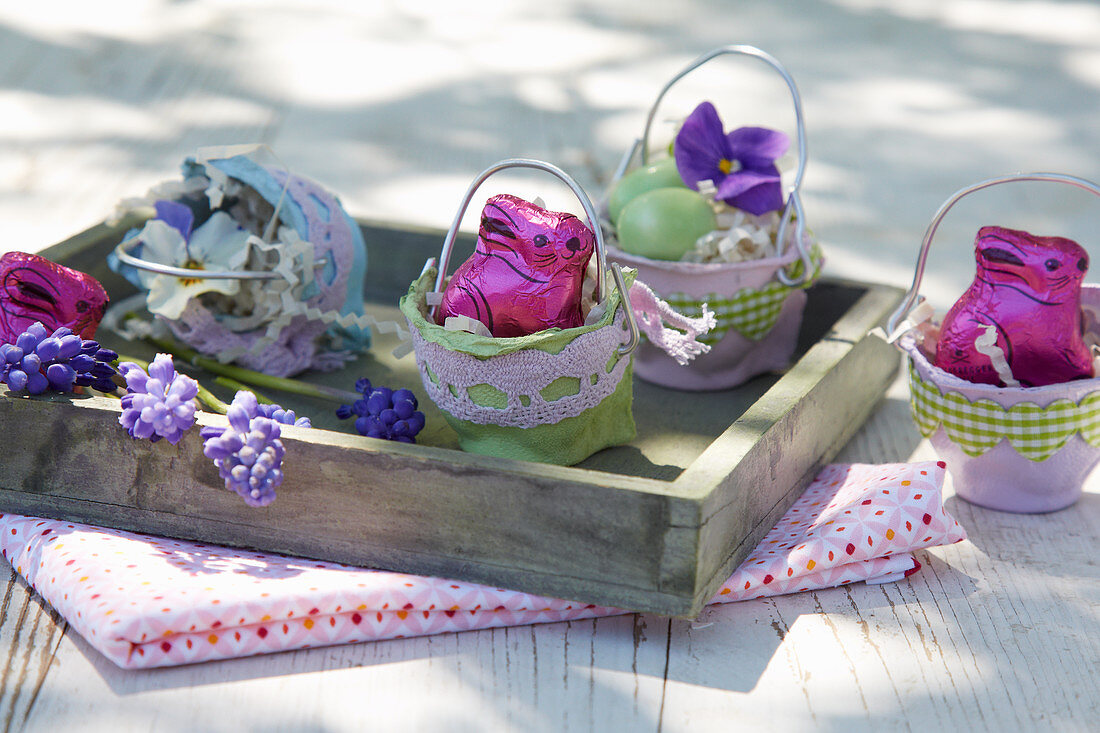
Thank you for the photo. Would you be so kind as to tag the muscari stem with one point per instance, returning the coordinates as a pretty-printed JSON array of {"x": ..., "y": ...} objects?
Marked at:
[
  {"x": 205, "y": 396},
  {"x": 238, "y": 386},
  {"x": 251, "y": 377}
]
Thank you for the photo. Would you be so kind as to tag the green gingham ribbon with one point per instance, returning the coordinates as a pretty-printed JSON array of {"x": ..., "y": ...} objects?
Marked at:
[
  {"x": 752, "y": 312},
  {"x": 1035, "y": 432}
]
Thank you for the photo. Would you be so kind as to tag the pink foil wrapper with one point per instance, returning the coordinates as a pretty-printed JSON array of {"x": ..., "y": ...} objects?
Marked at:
[
  {"x": 1029, "y": 289},
  {"x": 526, "y": 272},
  {"x": 34, "y": 289}
]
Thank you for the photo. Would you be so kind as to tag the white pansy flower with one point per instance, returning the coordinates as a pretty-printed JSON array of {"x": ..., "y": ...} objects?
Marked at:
[{"x": 219, "y": 244}]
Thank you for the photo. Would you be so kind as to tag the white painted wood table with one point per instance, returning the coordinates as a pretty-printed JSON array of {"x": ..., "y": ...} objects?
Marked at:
[{"x": 396, "y": 106}]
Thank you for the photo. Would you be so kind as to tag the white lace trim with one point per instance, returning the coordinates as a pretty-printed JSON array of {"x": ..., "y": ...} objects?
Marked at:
[{"x": 524, "y": 373}]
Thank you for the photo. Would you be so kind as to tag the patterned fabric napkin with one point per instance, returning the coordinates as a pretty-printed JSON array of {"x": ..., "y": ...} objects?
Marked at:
[{"x": 149, "y": 602}]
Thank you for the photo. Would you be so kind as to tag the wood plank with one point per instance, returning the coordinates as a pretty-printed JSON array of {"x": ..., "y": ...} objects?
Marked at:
[
  {"x": 393, "y": 506},
  {"x": 30, "y": 634},
  {"x": 545, "y": 678}
]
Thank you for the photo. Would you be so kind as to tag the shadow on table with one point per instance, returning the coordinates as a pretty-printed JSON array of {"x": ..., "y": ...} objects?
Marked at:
[{"x": 1037, "y": 542}]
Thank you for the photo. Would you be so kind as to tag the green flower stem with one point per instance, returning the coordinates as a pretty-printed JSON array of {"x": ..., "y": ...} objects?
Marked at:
[
  {"x": 205, "y": 396},
  {"x": 250, "y": 377},
  {"x": 123, "y": 357},
  {"x": 238, "y": 386}
]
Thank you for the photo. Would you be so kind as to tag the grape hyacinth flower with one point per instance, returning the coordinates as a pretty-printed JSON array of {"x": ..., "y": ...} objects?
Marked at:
[
  {"x": 384, "y": 413},
  {"x": 39, "y": 361},
  {"x": 279, "y": 415},
  {"x": 246, "y": 400},
  {"x": 741, "y": 165},
  {"x": 160, "y": 404},
  {"x": 249, "y": 454}
]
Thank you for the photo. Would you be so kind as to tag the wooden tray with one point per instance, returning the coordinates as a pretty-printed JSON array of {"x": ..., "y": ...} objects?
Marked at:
[{"x": 653, "y": 526}]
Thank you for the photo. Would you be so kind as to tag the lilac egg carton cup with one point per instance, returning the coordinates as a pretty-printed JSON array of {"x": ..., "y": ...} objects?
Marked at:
[
  {"x": 1033, "y": 459},
  {"x": 1002, "y": 478},
  {"x": 734, "y": 358}
]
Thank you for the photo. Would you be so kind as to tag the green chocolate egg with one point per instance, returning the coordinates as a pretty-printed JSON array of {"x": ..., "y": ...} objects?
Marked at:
[
  {"x": 662, "y": 174},
  {"x": 663, "y": 224}
]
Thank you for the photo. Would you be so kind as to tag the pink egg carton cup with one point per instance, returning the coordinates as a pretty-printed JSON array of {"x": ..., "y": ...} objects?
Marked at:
[
  {"x": 1015, "y": 449},
  {"x": 734, "y": 358}
]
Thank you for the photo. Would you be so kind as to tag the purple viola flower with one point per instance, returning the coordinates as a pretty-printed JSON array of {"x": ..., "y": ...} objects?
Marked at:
[
  {"x": 741, "y": 165},
  {"x": 248, "y": 454},
  {"x": 158, "y": 404},
  {"x": 173, "y": 238}
]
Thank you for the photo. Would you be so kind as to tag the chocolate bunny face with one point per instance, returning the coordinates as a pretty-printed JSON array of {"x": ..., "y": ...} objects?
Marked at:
[
  {"x": 1048, "y": 269},
  {"x": 1028, "y": 290},
  {"x": 547, "y": 242},
  {"x": 525, "y": 274}
]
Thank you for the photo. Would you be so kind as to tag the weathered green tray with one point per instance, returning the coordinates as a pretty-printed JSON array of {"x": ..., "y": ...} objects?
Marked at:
[{"x": 654, "y": 526}]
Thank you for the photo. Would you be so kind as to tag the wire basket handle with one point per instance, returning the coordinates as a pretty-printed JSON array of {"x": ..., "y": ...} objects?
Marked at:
[
  {"x": 911, "y": 297},
  {"x": 593, "y": 224},
  {"x": 737, "y": 50},
  {"x": 794, "y": 197}
]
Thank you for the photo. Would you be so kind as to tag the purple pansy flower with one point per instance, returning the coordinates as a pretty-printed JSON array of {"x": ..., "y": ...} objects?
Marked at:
[
  {"x": 741, "y": 164},
  {"x": 173, "y": 239}
]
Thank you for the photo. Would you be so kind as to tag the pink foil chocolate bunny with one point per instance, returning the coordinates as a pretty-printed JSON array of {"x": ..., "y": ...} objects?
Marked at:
[
  {"x": 1028, "y": 288},
  {"x": 526, "y": 272},
  {"x": 33, "y": 288}
]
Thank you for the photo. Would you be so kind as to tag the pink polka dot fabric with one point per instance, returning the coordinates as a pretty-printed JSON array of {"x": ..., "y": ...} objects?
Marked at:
[{"x": 150, "y": 602}]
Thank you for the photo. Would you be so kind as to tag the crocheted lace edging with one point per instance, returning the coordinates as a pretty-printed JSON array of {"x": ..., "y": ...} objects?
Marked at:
[{"x": 524, "y": 373}]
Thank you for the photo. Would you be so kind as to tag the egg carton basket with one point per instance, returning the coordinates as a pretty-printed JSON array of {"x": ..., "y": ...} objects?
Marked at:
[
  {"x": 314, "y": 315},
  {"x": 1016, "y": 449},
  {"x": 555, "y": 396},
  {"x": 758, "y": 303}
]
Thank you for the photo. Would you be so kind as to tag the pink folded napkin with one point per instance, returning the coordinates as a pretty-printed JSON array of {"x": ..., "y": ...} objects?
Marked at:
[{"x": 150, "y": 602}]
